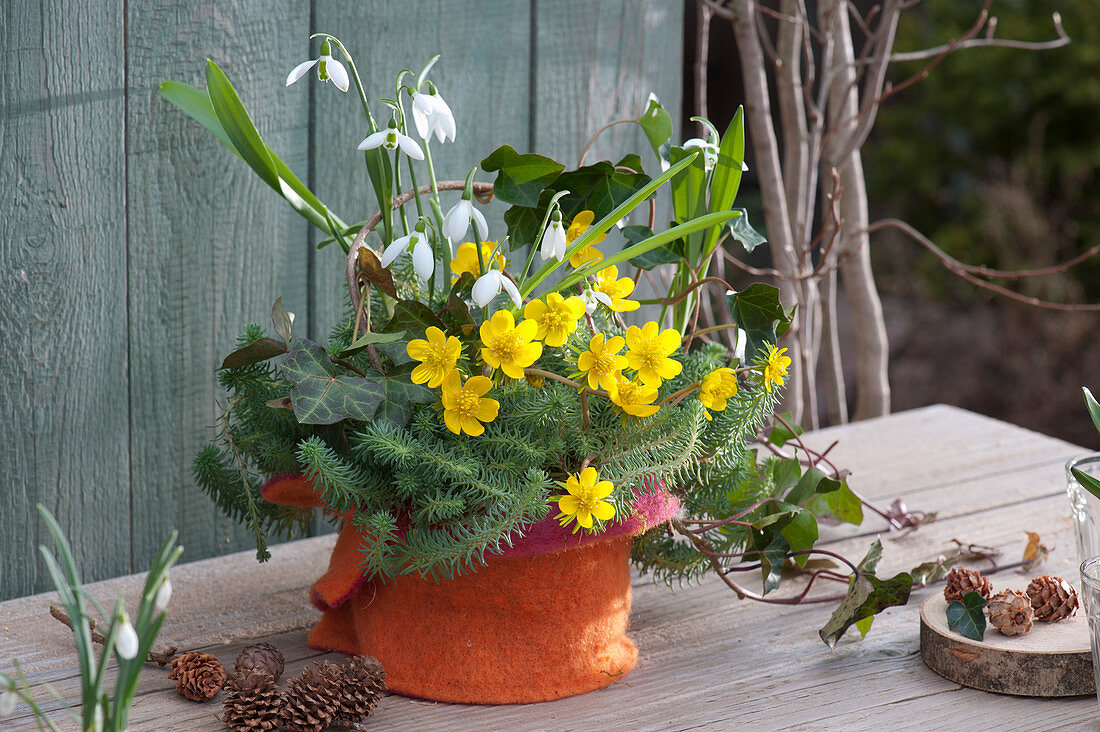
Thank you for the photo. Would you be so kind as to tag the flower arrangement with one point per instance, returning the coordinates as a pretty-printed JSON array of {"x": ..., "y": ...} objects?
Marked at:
[{"x": 470, "y": 393}]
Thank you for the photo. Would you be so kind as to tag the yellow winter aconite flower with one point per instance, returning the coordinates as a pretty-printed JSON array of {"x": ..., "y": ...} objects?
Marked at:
[
  {"x": 718, "y": 386},
  {"x": 634, "y": 397},
  {"x": 556, "y": 317},
  {"x": 775, "y": 369},
  {"x": 465, "y": 406},
  {"x": 649, "y": 353},
  {"x": 602, "y": 361},
  {"x": 438, "y": 355},
  {"x": 612, "y": 291},
  {"x": 465, "y": 260},
  {"x": 584, "y": 500},
  {"x": 508, "y": 346},
  {"x": 589, "y": 254}
]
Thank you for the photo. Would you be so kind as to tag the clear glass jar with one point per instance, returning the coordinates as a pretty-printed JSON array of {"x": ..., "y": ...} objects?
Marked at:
[
  {"x": 1084, "y": 507},
  {"x": 1090, "y": 598}
]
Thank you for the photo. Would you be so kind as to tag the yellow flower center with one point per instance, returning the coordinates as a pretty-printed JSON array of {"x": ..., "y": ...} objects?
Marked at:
[
  {"x": 507, "y": 347},
  {"x": 651, "y": 354},
  {"x": 466, "y": 403},
  {"x": 553, "y": 319},
  {"x": 629, "y": 392},
  {"x": 436, "y": 356},
  {"x": 606, "y": 363}
]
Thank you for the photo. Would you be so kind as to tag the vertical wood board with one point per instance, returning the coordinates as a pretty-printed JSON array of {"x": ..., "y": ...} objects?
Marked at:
[
  {"x": 211, "y": 246},
  {"x": 63, "y": 280}
]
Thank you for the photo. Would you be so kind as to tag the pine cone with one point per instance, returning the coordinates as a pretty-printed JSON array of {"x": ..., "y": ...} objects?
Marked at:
[
  {"x": 313, "y": 698},
  {"x": 1010, "y": 612},
  {"x": 198, "y": 675},
  {"x": 261, "y": 657},
  {"x": 961, "y": 580},
  {"x": 364, "y": 680},
  {"x": 1052, "y": 598},
  {"x": 252, "y": 702}
]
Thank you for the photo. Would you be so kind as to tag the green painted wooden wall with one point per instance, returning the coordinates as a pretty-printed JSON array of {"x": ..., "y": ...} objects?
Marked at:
[{"x": 133, "y": 247}]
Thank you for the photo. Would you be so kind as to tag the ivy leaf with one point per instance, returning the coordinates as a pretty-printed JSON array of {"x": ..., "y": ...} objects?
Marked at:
[
  {"x": 457, "y": 316},
  {"x": 758, "y": 311},
  {"x": 282, "y": 320},
  {"x": 656, "y": 123},
  {"x": 400, "y": 395},
  {"x": 598, "y": 188},
  {"x": 786, "y": 474},
  {"x": 522, "y": 178},
  {"x": 780, "y": 435},
  {"x": 864, "y": 626},
  {"x": 772, "y": 558},
  {"x": 813, "y": 482},
  {"x": 967, "y": 616},
  {"x": 801, "y": 533},
  {"x": 414, "y": 317},
  {"x": 867, "y": 596},
  {"x": 371, "y": 268},
  {"x": 318, "y": 395},
  {"x": 842, "y": 504},
  {"x": 370, "y": 338},
  {"x": 742, "y": 231},
  {"x": 871, "y": 559},
  {"x": 254, "y": 352},
  {"x": 927, "y": 572}
]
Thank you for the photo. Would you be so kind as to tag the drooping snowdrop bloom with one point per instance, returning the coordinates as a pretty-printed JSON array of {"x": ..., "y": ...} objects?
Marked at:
[
  {"x": 422, "y": 256},
  {"x": 554, "y": 240},
  {"x": 457, "y": 221},
  {"x": 489, "y": 286},
  {"x": 126, "y": 639},
  {"x": 328, "y": 69},
  {"x": 432, "y": 115},
  {"x": 391, "y": 138},
  {"x": 739, "y": 348},
  {"x": 590, "y": 301},
  {"x": 164, "y": 594},
  {"x": 710, "y": 151}
]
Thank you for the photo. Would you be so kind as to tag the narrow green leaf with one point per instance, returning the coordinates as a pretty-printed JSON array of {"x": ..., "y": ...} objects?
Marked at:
[
  {"x": 1088, "y": 482},
  {"x": 689, "y": 196},
  {"x": 967, "y": 617},
  {"x": 726, "y": 179},
  {"x": 1094, "y": 407},
  {"x": 195, "y": 103},
  {"x": 371, "y": 338},
  {"x": 238, "y": 125},
  {"x": 255, "y": 352}
]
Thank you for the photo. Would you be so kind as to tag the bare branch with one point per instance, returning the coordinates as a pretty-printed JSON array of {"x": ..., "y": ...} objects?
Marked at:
[{"x": 990, "y": 42}]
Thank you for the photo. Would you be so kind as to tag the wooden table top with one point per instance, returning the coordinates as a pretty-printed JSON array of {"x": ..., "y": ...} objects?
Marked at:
[{"x": 707, "y": 660}]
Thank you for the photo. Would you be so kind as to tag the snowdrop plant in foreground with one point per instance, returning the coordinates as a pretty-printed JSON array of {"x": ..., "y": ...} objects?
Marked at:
[
  {"x": 328, "y": 69},
  {"x": 449, "y": 420},
  {"x": 129, "y": 641}
]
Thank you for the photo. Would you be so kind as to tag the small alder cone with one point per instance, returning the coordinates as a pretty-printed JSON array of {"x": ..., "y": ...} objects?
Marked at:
[
  {"x": 1052, "y": 598},
  {"x": 198, "y": 675},
  {"x": 261, "y": 657},
  {"x": 1010, "y": 612},
  {"x": 961, "y": 581},
  {"x": 364, "y": 680},
  {"x": 252, "y": 702},
  {"x": 312, "y": 698}
]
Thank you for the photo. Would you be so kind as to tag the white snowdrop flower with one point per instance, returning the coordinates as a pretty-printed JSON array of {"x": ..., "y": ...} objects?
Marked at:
[
  {"x": 457, "y": 221},
  {"x": 489, "y": 286},
  {"x": 432, "y": 115},
  {"x": 554, "y": 240},
  {"x": 8, "y": 697},
  {"x": 328, "y": 69},
  {"x": 164, "y": 594},
  {"x": 392, "y": 139},
  {"x": 126, "y": 639},
  {"x": 739, "y": 348},
  {"x": 710, "y": 151},
  {"x": 590, "y": 301},
  {"x": 423, "y": 258}
]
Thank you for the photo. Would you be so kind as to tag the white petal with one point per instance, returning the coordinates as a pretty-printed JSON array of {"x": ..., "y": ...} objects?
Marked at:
[
  {"x": 423, "y": 259},
  {"x": 7, "y": 702},
  {"x": 300, "y": 70},
  {"x": 557, "y": 232},
  {"x": 512, "y": 290},
  {"x": 409, "y": 147},
  {"x": 486, "y": 288},
  {"x": 457, "y": 220},
  {"x": 393, "y": 251},
  {"x": 602, "y": 297},
  {"x": 479, "y": 221},
  {"x": 744, "y": 166},
  {"x": 589, "y": 301},
  {"x": 421, "y": 108},
  {"x": 739, "y": 349},
  {"x": 164, "y": 594},
  {"x": 126, "y": 640},
  {"x": 546, "y": 249},
  {"x": 423, "y": 103},
  {"x": 694, "y": 142},
  {"x": 447, "y": 124},
  {"x": 373, "y": 140},
  {"x": 338, "y": 74}
]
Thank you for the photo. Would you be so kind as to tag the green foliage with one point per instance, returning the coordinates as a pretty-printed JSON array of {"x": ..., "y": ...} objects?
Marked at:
[{"x": 967, "y": 616}]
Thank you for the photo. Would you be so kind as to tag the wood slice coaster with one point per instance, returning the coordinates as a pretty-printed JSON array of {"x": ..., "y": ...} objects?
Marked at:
[{"x": 1052, "y": 659}]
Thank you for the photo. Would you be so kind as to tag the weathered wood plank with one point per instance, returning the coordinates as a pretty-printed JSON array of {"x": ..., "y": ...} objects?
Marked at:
[
  {"x": 210, "y": 246},
  {"x": 708, "y": 660},
  {"x": 483, "y": 74},
  {"x": 63, "y": 281}
]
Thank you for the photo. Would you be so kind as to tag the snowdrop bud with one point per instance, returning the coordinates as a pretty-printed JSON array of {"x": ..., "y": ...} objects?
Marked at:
[
  {"x": 554, "y": 241},
  {"x": 8, "y": 697},
  {"x": 164, "y": 594},
  {"x": 457, "y": 221},
  {"x": 126, "y": 640},
  {"x": 423, "y": 257},
  {"x": 739, "y": 349},
  {"x": 486, "y": 288}
]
